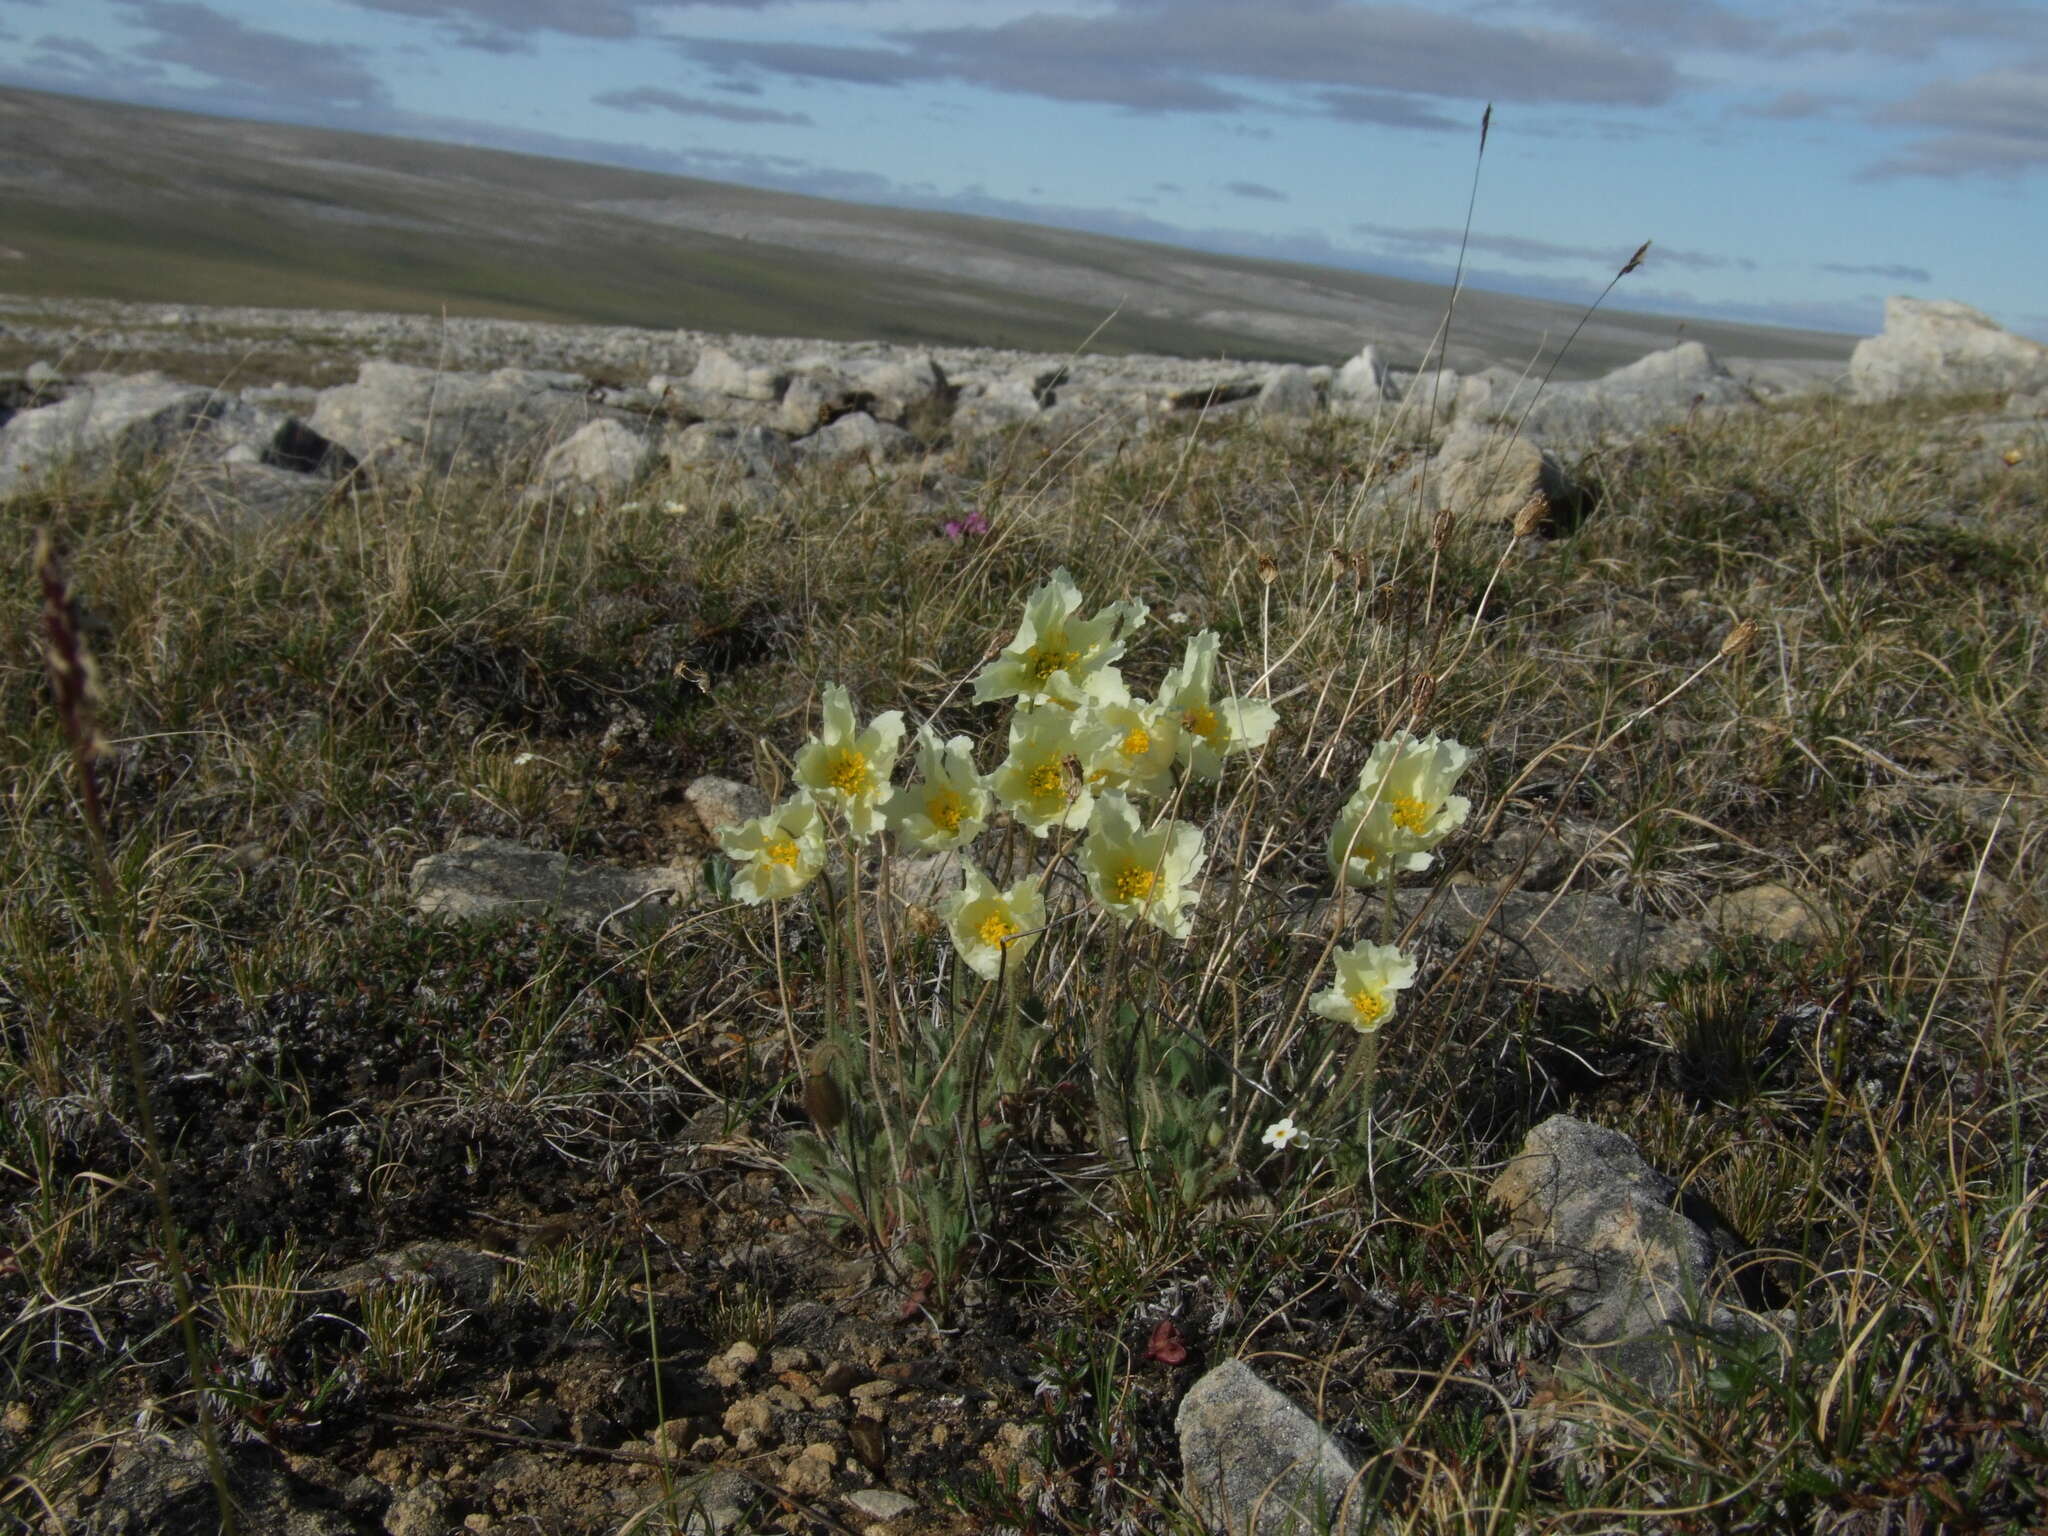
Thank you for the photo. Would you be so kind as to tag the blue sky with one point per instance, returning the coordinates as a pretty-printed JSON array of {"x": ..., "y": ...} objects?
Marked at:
[{"x": 1792, "y": 162}]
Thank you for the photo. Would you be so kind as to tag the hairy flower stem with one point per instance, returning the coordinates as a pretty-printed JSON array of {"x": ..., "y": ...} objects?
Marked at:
[
  {"x": 1390, "y": 913},
  {"x": 70, "y": 685}
]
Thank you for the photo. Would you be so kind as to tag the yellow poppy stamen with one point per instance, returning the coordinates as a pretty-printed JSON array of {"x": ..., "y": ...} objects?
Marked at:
[
  {"x": 848, "y": 773},
  {"x": 945, "y": 810},
  {"x": 1048, "y": 659},
  {"x": 994, "y": 929},
  {"x": 1411, "y": 815},
  {"x": 1046, "y": 781},
  {"x": 1134, "y": 883},
  {"x": 1201, "y": 721},
  {"x": 1369, "y": 1006},
  {"x": 1137, "y": 742},
  {"x": 783, "y": 851}
]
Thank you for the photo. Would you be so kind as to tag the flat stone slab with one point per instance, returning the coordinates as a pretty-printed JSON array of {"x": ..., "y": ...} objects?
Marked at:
[
  {"x": 484, "y": 878},
  {"x": 1571, "y": 940}
]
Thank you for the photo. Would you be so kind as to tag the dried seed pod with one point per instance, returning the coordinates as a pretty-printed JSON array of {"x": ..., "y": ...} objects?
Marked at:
[
  {"x": 1421, "y": 695},
  {"x": 1740, "y": 638},
  {"x": 1268, "y": 570},
  {"x": 1440, "y": 529},
  {"x": 823, "y": 1101}
]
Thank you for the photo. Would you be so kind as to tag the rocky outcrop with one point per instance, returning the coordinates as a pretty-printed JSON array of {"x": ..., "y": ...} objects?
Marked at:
[{"x": 1940, "y": 347}]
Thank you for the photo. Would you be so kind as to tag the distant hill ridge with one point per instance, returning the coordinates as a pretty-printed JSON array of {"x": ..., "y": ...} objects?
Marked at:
[{"x": 119, "y": 202}]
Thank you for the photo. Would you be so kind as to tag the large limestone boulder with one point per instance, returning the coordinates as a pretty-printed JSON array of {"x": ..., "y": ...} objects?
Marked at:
[
  {"x": 1287, "y": 393},
  {"x": 600, "y": 458},
  {"x": 104, "y": 423},
  {"x": 1361, "y": 386},
  {"x": 856, "y": 438},
  {"x": 1662, "y": 389},
  {"x": 718, "y": 372},
  {"x": 1940, "y": 347},
  {"x": 402, "y": 420}
]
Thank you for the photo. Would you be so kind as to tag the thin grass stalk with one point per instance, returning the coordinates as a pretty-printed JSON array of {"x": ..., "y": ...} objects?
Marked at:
[{"x": 72, "y": 688}]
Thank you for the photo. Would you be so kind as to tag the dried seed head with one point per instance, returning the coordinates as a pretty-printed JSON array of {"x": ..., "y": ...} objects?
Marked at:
[
  {"x": 1267, "y": 570},
  {"x": 1440, "y": 529},
  {"x": 1421, "y": 695},
  {"x": 823, "y": 1102},
  {"x": 1740, "y": 638},
  {"x": 1535, "y": 513},
  {"x": 74, "y": 679},
  {"x": 1635, "y": 260}
]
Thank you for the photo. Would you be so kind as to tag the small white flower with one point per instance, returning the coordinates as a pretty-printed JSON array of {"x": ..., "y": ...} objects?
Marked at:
[
  {"x": 524, "y": 758},
  {"x": 1281, "y": 1133}
]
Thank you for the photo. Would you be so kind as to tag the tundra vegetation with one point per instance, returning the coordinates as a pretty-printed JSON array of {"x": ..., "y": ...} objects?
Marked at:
[{"x": 867, "y": 1168}]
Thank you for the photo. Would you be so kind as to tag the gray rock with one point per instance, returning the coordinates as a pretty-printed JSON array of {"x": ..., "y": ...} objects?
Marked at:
[
  {"x": 1574, "y": 941},
  {"x": 759, "y": 451},
  {"x": 466, "y": 1275},
  {"x": 718, "y": 372},
  {"x": 881, "y": 1503},
  {"x": 1287, "y": 394},
  {"x": 2027, "y": 407},
  {"x": 1597, "y": 1229},
  {"x": 1493, "y": 477},
  {"x": 1935, "y": 347},
  {"x": 816, "y": 398},
  {"x": 854, "y": 438},
  {"x": 1662, "y": 389},
  {"x": 723, "y": 802},
  {"x": 112, "y": 423},
  {"x": 484, "y": 878},
  {"x": 1254, "y": 1464},
  {"x": 605, "y": 457},
  {"x": 42, "y": 376},
  {"x": 160, "y": 1485},
  {"x": 1361, "y": 381},
  {"x": 909, "y": 392},
  {"x": 1771, "y": 912},
  {"x": 421, "y": 1510},
  {"x": 406, "y": 421}
]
